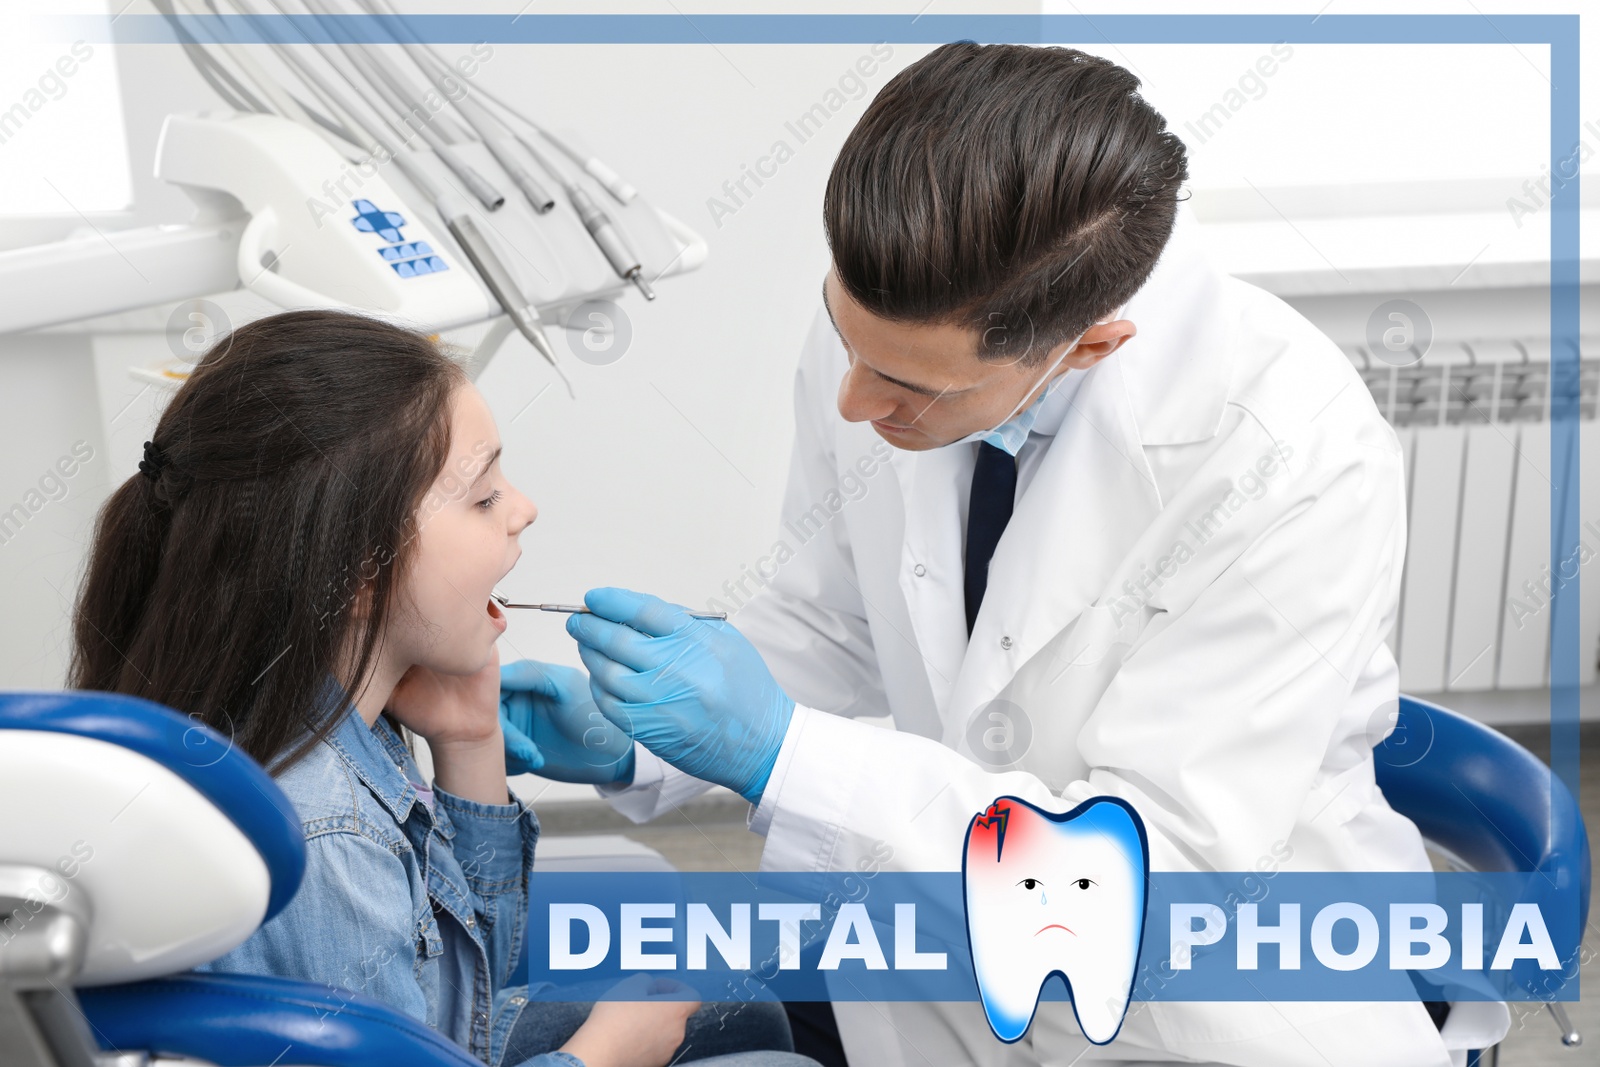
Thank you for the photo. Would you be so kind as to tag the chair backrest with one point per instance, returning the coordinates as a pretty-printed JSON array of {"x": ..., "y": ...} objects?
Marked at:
[
  {"x": 1491, "y": 803},
  {"x": 179, "y": 842}
]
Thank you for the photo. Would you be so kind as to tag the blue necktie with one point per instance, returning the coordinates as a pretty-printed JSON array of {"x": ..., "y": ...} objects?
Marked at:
[{"x": 994, "y": 494}]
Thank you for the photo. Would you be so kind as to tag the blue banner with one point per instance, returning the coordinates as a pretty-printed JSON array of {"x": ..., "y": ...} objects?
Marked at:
[{"x": 898, "y": 936}]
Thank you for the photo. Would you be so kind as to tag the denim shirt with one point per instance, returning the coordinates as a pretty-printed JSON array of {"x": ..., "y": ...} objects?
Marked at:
[{"x": 422, "y": 910}]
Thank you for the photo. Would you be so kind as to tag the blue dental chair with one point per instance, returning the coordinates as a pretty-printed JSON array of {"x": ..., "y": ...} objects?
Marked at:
[
  {"x": 1485, "y": 803},
  {"x": 138, "y": 844}
]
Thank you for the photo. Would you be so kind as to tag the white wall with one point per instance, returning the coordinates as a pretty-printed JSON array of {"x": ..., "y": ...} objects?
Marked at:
[{"x": 665, "y": 473}]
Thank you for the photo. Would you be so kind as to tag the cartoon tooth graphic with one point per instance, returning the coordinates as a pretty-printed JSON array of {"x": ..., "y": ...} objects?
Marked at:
[{"x": 1055, "y": 894}]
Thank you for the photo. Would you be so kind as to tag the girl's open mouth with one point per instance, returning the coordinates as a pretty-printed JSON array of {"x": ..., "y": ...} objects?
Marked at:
[{"x": 496, "y": 616}]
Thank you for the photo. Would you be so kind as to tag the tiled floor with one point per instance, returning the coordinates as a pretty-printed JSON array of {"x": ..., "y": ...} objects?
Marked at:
[{"x": 709, "y": 835}]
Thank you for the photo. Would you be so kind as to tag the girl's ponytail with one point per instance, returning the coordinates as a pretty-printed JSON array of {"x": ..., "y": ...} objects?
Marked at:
[{"x": 129, "y": 538}]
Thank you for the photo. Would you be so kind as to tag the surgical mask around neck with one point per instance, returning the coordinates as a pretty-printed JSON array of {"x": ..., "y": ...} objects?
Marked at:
[{"x": 1012, "y": 431}]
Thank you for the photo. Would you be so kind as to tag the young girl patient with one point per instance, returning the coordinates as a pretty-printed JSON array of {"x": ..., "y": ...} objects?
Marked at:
[{"x": 304, "y": 563}]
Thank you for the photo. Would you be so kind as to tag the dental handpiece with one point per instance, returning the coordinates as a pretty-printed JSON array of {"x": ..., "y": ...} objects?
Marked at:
[
  {"x": 605, "y": 234},
  {"x": 495, "y": 275},
  {"x": 579, "y": 609}
]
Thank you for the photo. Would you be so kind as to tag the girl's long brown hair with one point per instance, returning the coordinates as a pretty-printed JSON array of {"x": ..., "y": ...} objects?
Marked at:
[{"x": 264, "y": 560}]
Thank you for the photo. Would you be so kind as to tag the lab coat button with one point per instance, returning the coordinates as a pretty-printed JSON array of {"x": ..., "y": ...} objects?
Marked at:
[
  {"x": 919, "y": 570},
  {"x": 1005, "y": 643}
]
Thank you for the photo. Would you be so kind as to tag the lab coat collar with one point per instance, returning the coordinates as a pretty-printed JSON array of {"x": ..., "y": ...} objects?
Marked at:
[
  {"x": 1179, "y": 365},
  {"x": 1092, "y": 496}
]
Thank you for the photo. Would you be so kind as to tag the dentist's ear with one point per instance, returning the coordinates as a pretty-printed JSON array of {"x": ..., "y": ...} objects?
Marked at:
[{"x": 1098, "y": 342}]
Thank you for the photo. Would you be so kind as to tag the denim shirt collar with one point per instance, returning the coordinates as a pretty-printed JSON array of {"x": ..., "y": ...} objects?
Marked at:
[{"x": 379, "y": 758}]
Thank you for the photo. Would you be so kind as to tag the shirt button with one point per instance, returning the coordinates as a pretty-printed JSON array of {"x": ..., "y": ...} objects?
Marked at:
[
  {"x": 471, "y": 922},
  {"x": 919, "y": 570},
  {"x": 1005, "y": 643},
  {"x": 518, "y": 1000}
]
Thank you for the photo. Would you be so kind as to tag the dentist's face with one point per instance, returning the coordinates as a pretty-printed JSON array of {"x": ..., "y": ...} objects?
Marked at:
[{"x": 923, "y": 386}]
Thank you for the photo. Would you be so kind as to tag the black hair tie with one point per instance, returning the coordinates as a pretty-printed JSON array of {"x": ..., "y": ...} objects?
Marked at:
[{"x": 154, "y": 459}]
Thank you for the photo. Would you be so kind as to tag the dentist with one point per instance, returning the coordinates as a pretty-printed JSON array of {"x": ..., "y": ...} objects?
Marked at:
[{"x": 1138, "y": 530}]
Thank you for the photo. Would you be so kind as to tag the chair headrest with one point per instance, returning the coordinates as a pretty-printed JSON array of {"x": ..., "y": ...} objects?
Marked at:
[{"x": 182, "y": 844}]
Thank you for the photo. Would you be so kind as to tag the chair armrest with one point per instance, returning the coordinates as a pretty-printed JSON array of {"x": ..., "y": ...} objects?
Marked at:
[{"x": 245, "y": 1020}]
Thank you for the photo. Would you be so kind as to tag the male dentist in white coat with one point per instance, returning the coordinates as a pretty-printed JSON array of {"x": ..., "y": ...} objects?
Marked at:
[{"x": 1129, "y": 527}]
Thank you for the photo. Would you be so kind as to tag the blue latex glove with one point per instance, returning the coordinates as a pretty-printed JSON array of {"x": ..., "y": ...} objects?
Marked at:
[
  {"x": 553, "y": 728},
  {"x": 693, "y": 691}
]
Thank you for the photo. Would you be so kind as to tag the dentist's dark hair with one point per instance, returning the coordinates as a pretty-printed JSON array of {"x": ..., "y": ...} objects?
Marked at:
[
  {"x": 261, "y": 556},
  {"x": 1018, "y": 191}
]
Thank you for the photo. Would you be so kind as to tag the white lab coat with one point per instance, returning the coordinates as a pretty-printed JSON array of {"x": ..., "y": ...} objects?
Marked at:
[{"x": 1232, "y": 695}]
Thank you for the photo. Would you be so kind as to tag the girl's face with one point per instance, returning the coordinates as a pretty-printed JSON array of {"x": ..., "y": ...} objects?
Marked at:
[{"x": 468, "y": 525}]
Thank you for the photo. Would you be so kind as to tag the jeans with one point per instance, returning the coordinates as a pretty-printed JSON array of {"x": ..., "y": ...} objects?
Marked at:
[{"x": 739, "y": 1034}]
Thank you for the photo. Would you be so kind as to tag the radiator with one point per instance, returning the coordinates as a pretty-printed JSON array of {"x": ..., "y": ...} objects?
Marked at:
[{"x": 1473, "y": 421}]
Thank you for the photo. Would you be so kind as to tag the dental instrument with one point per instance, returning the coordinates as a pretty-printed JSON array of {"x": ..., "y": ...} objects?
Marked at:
[
  {"x": 578, "y": 609},
  {"x": 451, "y": 208},
  {"x": 601, "y": 227},
  {"x": 590, "y": 164}
]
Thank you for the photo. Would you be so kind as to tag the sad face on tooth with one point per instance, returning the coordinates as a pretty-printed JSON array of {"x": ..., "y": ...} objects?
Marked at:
[
  {"x": 1037, "y": 884},
  {"x": 1055, "y": 894}
]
